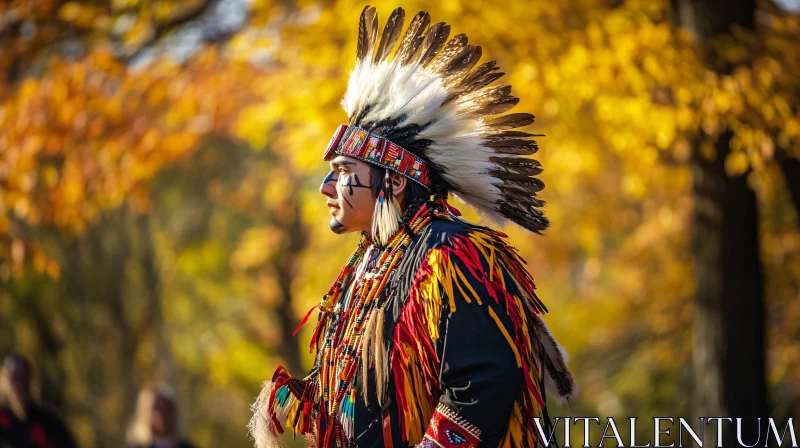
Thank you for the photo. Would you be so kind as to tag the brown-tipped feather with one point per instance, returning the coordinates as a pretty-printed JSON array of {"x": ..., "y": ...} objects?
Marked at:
[
  {"x": 503, "y": 135},
  {"x": 527, "y": 186},
  {"x": 391, "y": 32},
  {"x": 480, "y": 98},
  {"x": 486, "y": 95},
  {"x": 414, "y": 53},
  {"x": 367, "y": 32},
  {"x": 436, "y": 37},
  {"x": 526, "y": 216},
  {"x": 372, "y": 27},
  {"x": 465, "y": 61},
  {"x": 451, "y": 50},
  {"x": 515, "y": 168},
  {"x": 520, "y": 190},
  {"x": 460, "y": 66},
  {"x": 522, "y": 201},
  {"x": 511, "y": 175},
  {"x": 475, "y": 89},
  {"x": 482, "y": 69},
  {"x": 413, "y": 37},
  {"x": 491, "y": 108},
  {"x": 479, "y": 78},
  {"x": 515, "y": 147},
  {"x": 555, "y": 363},
  {"x": 481, "y": 81},
  {"x": 511, "y": 121},
  {"x": 515, "y": 161}
]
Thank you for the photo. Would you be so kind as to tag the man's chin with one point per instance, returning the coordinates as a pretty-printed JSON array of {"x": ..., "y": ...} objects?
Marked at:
[{"x": 338, "y": 227}]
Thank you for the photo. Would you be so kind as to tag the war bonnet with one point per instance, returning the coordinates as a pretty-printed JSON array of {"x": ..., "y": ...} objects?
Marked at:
[{"x": 431, "y": 113}]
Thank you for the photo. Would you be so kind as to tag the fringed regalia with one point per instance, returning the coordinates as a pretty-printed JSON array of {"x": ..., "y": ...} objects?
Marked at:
[{"x": 432, "y": 334}]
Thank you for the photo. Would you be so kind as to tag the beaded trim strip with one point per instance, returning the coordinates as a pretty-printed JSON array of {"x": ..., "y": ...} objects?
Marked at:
[
  {"x": 363, "y": 145},
  {"x": 447, "y": 429},
  {"x": 328, "y": 397}
]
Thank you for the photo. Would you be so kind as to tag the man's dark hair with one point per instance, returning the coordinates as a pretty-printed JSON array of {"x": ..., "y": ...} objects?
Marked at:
[
  {"x": 415, "y": 194},
  {"x": 14, "y": 362}
]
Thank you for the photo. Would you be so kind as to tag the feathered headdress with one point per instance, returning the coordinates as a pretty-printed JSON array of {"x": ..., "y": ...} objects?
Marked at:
[{"x": 428, "y": 113}]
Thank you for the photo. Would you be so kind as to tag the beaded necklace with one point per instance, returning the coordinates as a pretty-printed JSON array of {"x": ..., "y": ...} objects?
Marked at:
[{"x": 340, "y": 330}]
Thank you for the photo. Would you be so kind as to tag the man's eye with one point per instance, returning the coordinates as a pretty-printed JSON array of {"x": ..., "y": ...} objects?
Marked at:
[{"x": 342, "y": 171}]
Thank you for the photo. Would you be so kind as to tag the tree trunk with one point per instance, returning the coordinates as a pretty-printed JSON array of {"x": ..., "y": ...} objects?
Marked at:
[
  {"x": 791, "y": 173},
  {"x": 153, "y": 324},
  {"x": 729, "y": 338},
  {"x": 286, "y": 271},
  {"x": 729, "y": 328}
]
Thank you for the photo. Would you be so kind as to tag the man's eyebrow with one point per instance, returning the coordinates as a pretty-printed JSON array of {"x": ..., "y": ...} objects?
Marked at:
[{"x": 335, "y": 163}]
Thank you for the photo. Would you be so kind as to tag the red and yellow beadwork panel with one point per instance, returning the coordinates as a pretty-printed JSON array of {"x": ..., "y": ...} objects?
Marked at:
[{"x": 353, "y": 141}]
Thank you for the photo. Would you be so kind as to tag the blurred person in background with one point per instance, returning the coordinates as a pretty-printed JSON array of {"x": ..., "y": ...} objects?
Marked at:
[
  {"x": 155, "y": 424},
  {"x": 23, "y": 423},
  {"x": 432, "y": 335}
]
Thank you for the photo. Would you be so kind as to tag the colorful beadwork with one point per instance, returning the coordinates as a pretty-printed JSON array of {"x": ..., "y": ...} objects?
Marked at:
[
  {"x": 449, "y": 430},
  {"x": 344, "y": 311},
  {"x": 363, "y": 145},
  {"x": 323, "y": 403}
]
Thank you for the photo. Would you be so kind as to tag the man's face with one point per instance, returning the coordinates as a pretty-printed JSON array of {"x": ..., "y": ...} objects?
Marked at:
[
  {"x": 349, "y": 191},
  {"x": 17, "y": 376},
  {"x": 162, "y": 419}
]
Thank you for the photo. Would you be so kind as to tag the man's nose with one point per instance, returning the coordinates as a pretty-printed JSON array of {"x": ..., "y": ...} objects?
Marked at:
[{"x": 328, "y": 189}]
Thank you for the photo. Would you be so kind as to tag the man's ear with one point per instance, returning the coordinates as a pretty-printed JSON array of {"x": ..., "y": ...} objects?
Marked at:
[{"x": 399, "y": 183}]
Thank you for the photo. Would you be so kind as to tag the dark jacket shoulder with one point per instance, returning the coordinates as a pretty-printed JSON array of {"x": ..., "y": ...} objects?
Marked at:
[{"x": 441, "y": 231}]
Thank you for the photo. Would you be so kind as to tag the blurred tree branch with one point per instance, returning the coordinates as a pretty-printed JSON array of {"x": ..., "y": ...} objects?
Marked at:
[
  {"x": 161, "y": 28},
  {"x": 790, "y": 167}
]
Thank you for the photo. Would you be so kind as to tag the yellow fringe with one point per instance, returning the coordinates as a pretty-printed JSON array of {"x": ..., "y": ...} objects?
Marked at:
[
  {"x": 466, "y": 283},
  {"x": 441, "y": 277},
  {"x": 292, "y": 415},
  {"x": 514, "y": 435},
  {"x": 446, "y": 278},
  {"x": 508, "y": 336},
  {"x": 420, "y": 409},
  {"x": 432, "y": 303}
]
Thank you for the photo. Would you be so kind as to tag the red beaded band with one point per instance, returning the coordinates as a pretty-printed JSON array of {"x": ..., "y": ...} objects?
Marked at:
[
  {"x": 363, "y": 145},
  {"x": 447, "y": 429}
]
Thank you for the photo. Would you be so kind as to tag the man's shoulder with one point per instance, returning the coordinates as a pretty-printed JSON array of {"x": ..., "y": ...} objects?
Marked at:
[
  {"x": 446, "y": 230},
  {"x": 451, "y": 232},
  {"x": 447, "y": 226},
  {"x": 43, "y": 413}
]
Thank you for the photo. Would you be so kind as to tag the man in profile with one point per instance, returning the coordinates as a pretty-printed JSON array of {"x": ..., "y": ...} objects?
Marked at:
[
  {"x": 156, "y": 421},
  {"x": 23, "y": 423},
  {"x": 432, "y": 333}
]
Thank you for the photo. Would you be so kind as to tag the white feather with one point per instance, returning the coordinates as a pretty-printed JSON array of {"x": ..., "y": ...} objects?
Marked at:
[
  {"x": 261, "y": 426},
  {"x": 392, "y": 90}
]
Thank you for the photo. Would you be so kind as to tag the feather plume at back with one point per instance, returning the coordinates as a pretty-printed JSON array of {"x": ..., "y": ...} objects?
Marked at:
[{"x": 434, "y": 99}]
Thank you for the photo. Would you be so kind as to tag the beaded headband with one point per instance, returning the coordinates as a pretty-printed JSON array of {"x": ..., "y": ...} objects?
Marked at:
[{"x": 363, "y": 145}]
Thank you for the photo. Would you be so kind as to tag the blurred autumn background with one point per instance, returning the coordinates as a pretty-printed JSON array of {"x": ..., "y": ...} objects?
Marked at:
[{"x": 160, "y": 220}]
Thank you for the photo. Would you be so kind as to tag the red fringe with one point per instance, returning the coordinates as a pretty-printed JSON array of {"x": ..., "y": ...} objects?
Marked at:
[{"x": 412, "y": 329}]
